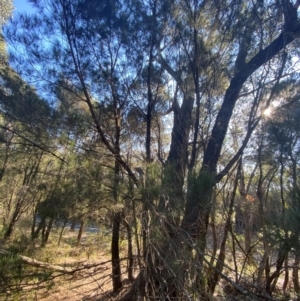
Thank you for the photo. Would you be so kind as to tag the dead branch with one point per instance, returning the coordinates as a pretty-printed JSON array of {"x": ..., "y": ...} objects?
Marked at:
[
  {"x": 40, "y": 264},
  {"x": 56, "y": 268}
]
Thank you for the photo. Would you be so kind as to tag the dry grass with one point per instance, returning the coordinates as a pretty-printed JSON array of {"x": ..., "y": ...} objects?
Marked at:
[{"x": 91, "y": 282}]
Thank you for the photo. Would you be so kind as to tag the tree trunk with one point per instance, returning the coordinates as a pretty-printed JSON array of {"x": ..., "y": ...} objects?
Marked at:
[
  {"x": 33, "y": 221},
  {"x": 73, "y": 225},
  {"x": 177, "y": 159},
  {"x": 61, "y": 232},
  {"x": 272, "y": 279},
  {"x": 41, "y": 226},
  {"x": 286, "y": 273},
  {"x": 129, "y": 250},
  {"x": 197, "y": 210},
  {"x": 9, "y": 231},
  {"x": 248, "y": 220},
  {"x": 80, "y": 232},
  {"x": 263, "y": 266},
  {"x": 47, "y": 232},
  {"x": 115, "y": 252},
  {"x": 215, "y": 240},
  {"x": 296, "y": 274},
  {"x": 136, "y": 235}
]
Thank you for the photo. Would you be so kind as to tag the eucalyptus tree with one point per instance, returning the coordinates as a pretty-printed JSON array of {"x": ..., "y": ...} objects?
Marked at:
[
  {"x": 245, "y": 48},
  {"x": 218, "y": 55}
]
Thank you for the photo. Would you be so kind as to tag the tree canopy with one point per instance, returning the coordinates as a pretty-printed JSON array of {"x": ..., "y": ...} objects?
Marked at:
[{"x": 189, "y": 108}]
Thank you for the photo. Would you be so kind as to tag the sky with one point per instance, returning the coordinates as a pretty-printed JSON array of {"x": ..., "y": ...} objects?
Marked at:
[{"x": 23, "y": 6}]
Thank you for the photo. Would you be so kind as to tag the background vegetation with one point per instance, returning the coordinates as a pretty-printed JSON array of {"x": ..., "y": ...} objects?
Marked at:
[{"x": 170, "y": 128}]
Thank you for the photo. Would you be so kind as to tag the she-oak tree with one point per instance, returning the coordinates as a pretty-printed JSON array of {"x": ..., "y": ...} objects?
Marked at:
[{"x": 213, "y": 52}]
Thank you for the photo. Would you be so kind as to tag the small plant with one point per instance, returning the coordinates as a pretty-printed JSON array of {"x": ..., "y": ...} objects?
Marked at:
[{"x": 11, "y": 273}]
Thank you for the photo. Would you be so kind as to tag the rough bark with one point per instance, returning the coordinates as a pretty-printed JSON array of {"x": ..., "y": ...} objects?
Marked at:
[
  {"x": 177, "y": 158},
  {"x": 115, "y": 253}
]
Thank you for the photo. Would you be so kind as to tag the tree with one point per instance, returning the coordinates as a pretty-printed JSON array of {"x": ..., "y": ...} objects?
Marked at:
[{"x": 213, "y": 56}]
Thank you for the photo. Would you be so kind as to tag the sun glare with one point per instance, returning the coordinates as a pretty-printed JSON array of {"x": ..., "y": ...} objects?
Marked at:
[{"x": 267, "y": 112}]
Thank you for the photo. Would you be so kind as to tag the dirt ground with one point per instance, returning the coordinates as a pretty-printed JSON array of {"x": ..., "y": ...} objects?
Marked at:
[{"x": 91, "y": 281}]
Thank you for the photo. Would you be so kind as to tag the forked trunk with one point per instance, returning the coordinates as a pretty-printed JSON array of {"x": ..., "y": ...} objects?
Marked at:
[{"x": 47, "y": 232}]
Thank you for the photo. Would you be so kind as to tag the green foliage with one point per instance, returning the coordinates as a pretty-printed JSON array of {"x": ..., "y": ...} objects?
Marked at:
[
  {"x": 11, "y": 272},
  {"x": 200, "y": 188},
  {"x": 152, "y": 181},
  {"x": 20, "y": 243},
  {"x": 20, "y": 100},
  {"x": 293, "y": 224}
]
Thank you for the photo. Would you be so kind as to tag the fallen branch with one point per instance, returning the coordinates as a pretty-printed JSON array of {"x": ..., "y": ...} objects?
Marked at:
[
  {"x": 56, "y": 268},
  {"x": 40, "y": 264},
  {"x": 237, "y": 287}
]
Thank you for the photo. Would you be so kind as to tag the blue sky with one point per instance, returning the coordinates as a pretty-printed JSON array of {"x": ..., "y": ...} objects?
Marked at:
[{"x": 23, "y": 6}]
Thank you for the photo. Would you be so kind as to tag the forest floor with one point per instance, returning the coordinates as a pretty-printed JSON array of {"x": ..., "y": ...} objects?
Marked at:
[
  {"x": 90, "y": 282},
  {"x": 90, "y": 263}
]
